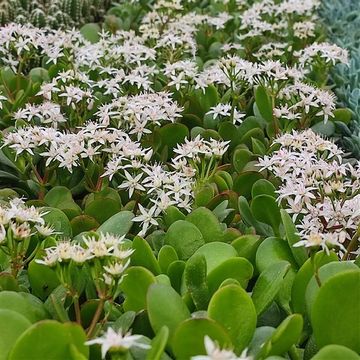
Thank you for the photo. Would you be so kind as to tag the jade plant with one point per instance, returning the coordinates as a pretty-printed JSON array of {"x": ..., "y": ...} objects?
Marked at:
[{"x": 172, "y": 183}]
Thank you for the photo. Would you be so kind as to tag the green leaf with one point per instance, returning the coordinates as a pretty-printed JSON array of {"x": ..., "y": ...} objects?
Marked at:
[
  {"x": 325, "y": 273},
  {"x": 135, "y": 286},
  {"x": 39, "y": 74},
  {"x": 185, "y": 238},
  {"x": 248, "y": 218},
  {"x": 165, "y": 308},
  {"x": 263, "y": 103},
  {"x": 166, "y": 256},
  {"x": 263, "y": 187},
  {"x": 12, "y": 325},
  {"x": 244, "y": 182},
  {"x": 336, "y": 352},
  {"x": 125, "y": 321},
  {"x": 216, "y": 253},
  {"x": 287, "y": 334},
  {"x": 55, "y": 304},
  {"x": 236, "y": 268},
  {"x": 83, "y": 223},
  {"x": 271, "y": 251},
  {"x": 158, "y": 344},
  {"x": 240, "y": 322},
  {"x": 246, "y": 246},
  {"x": 43, "y": 280},
  {"x": 207, "y": 223},
  {"x": 91, "y": 32},
  {"x": 303, "y": 277},
  {"x": 240, "y": 158},
  {"x": 189, "y": 337},
  {"x": 171, "y": 135},
  {"x": 335, "y": 312},
  {"x": 292, "y": 237},
  {"x": 58, "y": 220},
  {"x": 102, "y": 209},
  {"x": 8, "y": 282},
  {"x": 60, "y": 197},
  {"x": 144, "y": 256},
  {"x": 344, "y": 115},
  {"x": 172, "y": 214},
  {"x": 119, "y": 224},
  {"x": 175, "y": 272},
  {"x": 266, "y": 210},
  {"x": 325, "y": 129},
  {"x": 268, "y": 285},
  {"x": 20, "y": 303},
  {"x": 195, "y": 280},
  {"x": 49, "y": 337},
  {"x": 208, "y": 99}
]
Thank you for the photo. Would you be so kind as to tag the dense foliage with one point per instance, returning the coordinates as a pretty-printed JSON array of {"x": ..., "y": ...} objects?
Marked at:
[{"x": 173, "y": 182}]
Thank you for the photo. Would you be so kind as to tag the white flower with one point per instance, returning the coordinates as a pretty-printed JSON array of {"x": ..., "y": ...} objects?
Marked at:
[
  {"x": 132, "y": 183},
  {"x": 146, "y": 218},
  {"x": 220, "y": 110},
  {"x": 215, "y": 353},
  {"x": 116, "y": 269},
  {"x": 117, "y": 342}
]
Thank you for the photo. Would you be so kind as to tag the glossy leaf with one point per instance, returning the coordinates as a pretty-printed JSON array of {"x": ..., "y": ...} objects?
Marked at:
[
  {"x": 268, "y": 285},
  {"x": 240, "y": 322}
]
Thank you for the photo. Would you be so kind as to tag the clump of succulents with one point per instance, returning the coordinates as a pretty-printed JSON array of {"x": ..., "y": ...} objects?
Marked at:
[{"x": 54, "y": 14}]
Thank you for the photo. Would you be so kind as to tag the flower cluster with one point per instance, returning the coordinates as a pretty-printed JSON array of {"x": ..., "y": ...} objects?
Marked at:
[
  {"x": 19, "y": 224},
  {"x": 104, "y": 256},
  {"x": 320, "y": 191}
]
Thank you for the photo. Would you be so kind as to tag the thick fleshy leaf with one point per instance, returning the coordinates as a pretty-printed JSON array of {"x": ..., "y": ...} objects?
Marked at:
[
  {"x": 292, "y": 237},
  {"x": 12, "y": 325},
  {"x": 263, "y": 103},
  {"x": 266, "y": 210},
  {"x": 158, "y": 344},
  {"x": 119, "y": 224},
  {"x": 58, "y": 220},
  {"x": 263, "y": 187},
  {"x": 166, "y": 256},
  {"x": 240, "y": 158},
  {"x": 135, "y": 285},
  {"x": 144, "y": 256},
  {"x": 271, "y": 251},
  {"x": 330, "y": 325},
  {"x": 287, "y": 334},
  {"x": 303, "y": 277},
  {"x": 216, "y": 253},
  {"x": 51, "y": 338},
  {"x": 240, "y": 322},
  {"x": 268, "y": 285},
  {"x": 208, "y": 224},
  {"x": 236, "y": 268},
  {"x": 195, "y": 280},
  {"x": 189, "y": 337},
  {"x": 22, "y": 304},
  {"x": 185, "y": 238},
  {"x": 246, "y": 246},
  {"x": 165, "y": 308},
  {"x": 325, "y": 273},
  {"x": 244, "y": 182},
  {"x": 336, "y": 352}
]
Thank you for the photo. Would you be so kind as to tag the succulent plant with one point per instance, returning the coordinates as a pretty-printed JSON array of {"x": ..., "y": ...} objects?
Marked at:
[
  {"x": 55, "y": 14},
  {"x": 342, "y": 19}
]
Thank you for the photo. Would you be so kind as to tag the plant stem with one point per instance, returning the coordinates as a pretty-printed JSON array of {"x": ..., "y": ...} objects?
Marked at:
[
  {"x": 77, "y": 309},
  {"x": 352, "y": 244},
  {"x": 96, "y": 317}
]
